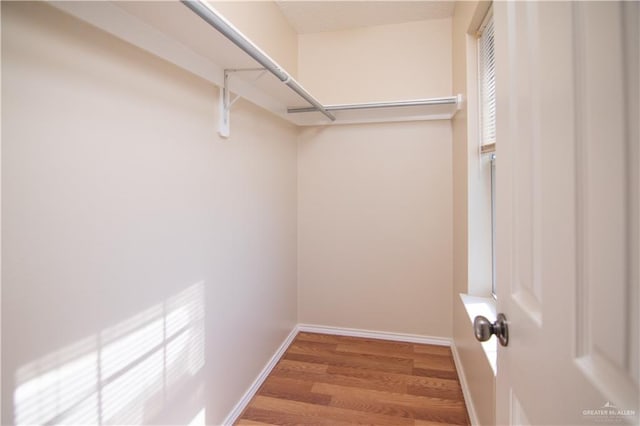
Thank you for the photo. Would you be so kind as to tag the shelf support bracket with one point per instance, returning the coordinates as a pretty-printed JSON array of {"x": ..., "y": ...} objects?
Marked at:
[{"x": 225, "y": 103}]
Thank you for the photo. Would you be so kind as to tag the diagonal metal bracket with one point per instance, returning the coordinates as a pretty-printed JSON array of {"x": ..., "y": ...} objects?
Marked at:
[{"x": 225, "y": 104}]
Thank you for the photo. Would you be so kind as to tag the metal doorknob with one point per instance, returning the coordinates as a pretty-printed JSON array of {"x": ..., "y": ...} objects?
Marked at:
[{"x": 483, "y": 329}]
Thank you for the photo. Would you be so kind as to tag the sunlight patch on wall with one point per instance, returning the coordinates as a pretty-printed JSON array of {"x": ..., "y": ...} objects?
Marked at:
[
  {"x": 125, "y": 374},
  {"x": 64, "y": 381},
  {"x": 198, "y": 420}
]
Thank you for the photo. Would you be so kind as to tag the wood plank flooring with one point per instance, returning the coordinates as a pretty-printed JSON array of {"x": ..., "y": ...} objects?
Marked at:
[{"x": 336, "y": 380}]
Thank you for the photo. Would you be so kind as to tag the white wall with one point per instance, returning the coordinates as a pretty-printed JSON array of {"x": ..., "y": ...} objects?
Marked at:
[
  {"x": 375, "y": 227},
  {"x": 380, "y": 63},
  {"x": 264, "y": 24},
  {"x": 471, "y": 215},
  {"x": 131, "y": 232},
  {"x": 375, "y": 235}
]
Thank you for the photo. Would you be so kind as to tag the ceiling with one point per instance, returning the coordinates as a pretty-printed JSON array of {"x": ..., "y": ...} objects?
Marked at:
[{"x": 319, "y": 16}]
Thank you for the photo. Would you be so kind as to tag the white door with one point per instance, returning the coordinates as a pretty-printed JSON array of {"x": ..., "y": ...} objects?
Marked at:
[{"x": 567, "y": 211}]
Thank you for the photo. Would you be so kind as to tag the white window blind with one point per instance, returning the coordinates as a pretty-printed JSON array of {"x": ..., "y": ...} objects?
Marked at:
[{"x": 487, "y": 73}]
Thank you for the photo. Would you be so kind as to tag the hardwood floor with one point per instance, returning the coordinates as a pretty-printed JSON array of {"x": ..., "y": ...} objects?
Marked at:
[{"x": 336, "y": 380}]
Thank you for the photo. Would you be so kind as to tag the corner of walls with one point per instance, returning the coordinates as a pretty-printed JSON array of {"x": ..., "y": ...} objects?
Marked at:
[{"x": 299, "y": 136}]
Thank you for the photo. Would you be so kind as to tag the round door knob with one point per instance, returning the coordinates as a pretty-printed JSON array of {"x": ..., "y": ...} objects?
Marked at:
[{"x": 483, "y": 329}]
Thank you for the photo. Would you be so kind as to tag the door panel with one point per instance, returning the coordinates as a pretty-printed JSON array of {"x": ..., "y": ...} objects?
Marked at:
[
  {"x": 604, "y": 339},
  {"x": 567, "y": 211},
  {"x": 526, "y": 290}
]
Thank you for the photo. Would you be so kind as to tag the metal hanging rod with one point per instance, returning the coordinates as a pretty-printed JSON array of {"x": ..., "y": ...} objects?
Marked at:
[
  {"x": 213, "y": 18},
  {"x": 375, "y": 105}
]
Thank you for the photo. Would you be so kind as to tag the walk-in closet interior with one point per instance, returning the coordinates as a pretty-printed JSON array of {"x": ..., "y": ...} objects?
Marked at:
[{"x": 188, "y": 185}]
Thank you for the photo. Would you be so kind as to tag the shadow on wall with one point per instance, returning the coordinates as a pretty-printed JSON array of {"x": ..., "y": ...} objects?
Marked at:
[{"x": 135, "y": 372}]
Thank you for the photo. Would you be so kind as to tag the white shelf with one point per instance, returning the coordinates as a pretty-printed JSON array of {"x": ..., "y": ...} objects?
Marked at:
[
  {"x": 176, "y": 34},
  {"x": 376, "y": 112}
]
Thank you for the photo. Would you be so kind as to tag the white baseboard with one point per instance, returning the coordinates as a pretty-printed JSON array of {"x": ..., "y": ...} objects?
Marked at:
[
  {"x": 468, "y": 402},
  {"x": 249, "y": 394},
  {"x": 337, "y": 331},
  {"x": 369, "y": 334}
]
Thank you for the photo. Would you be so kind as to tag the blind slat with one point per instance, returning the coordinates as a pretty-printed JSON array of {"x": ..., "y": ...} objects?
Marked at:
[{"x": 486, "y": 53}]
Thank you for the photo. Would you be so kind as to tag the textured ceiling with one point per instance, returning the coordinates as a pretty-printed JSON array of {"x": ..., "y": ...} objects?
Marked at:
[{"x": 318, "y": 16}]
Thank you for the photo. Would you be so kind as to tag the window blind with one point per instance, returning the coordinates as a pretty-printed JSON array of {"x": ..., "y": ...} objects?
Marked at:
[{"x": 487, "y": 74}]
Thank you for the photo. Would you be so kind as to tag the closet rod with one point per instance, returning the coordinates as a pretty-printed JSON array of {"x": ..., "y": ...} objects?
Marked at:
[
  {"x": 373, "y": 105},
  {"x": 213, "y": 18}
]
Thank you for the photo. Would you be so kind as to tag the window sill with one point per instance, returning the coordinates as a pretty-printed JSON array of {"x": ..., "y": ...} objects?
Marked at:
[{"x": 485, "y": 306}]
